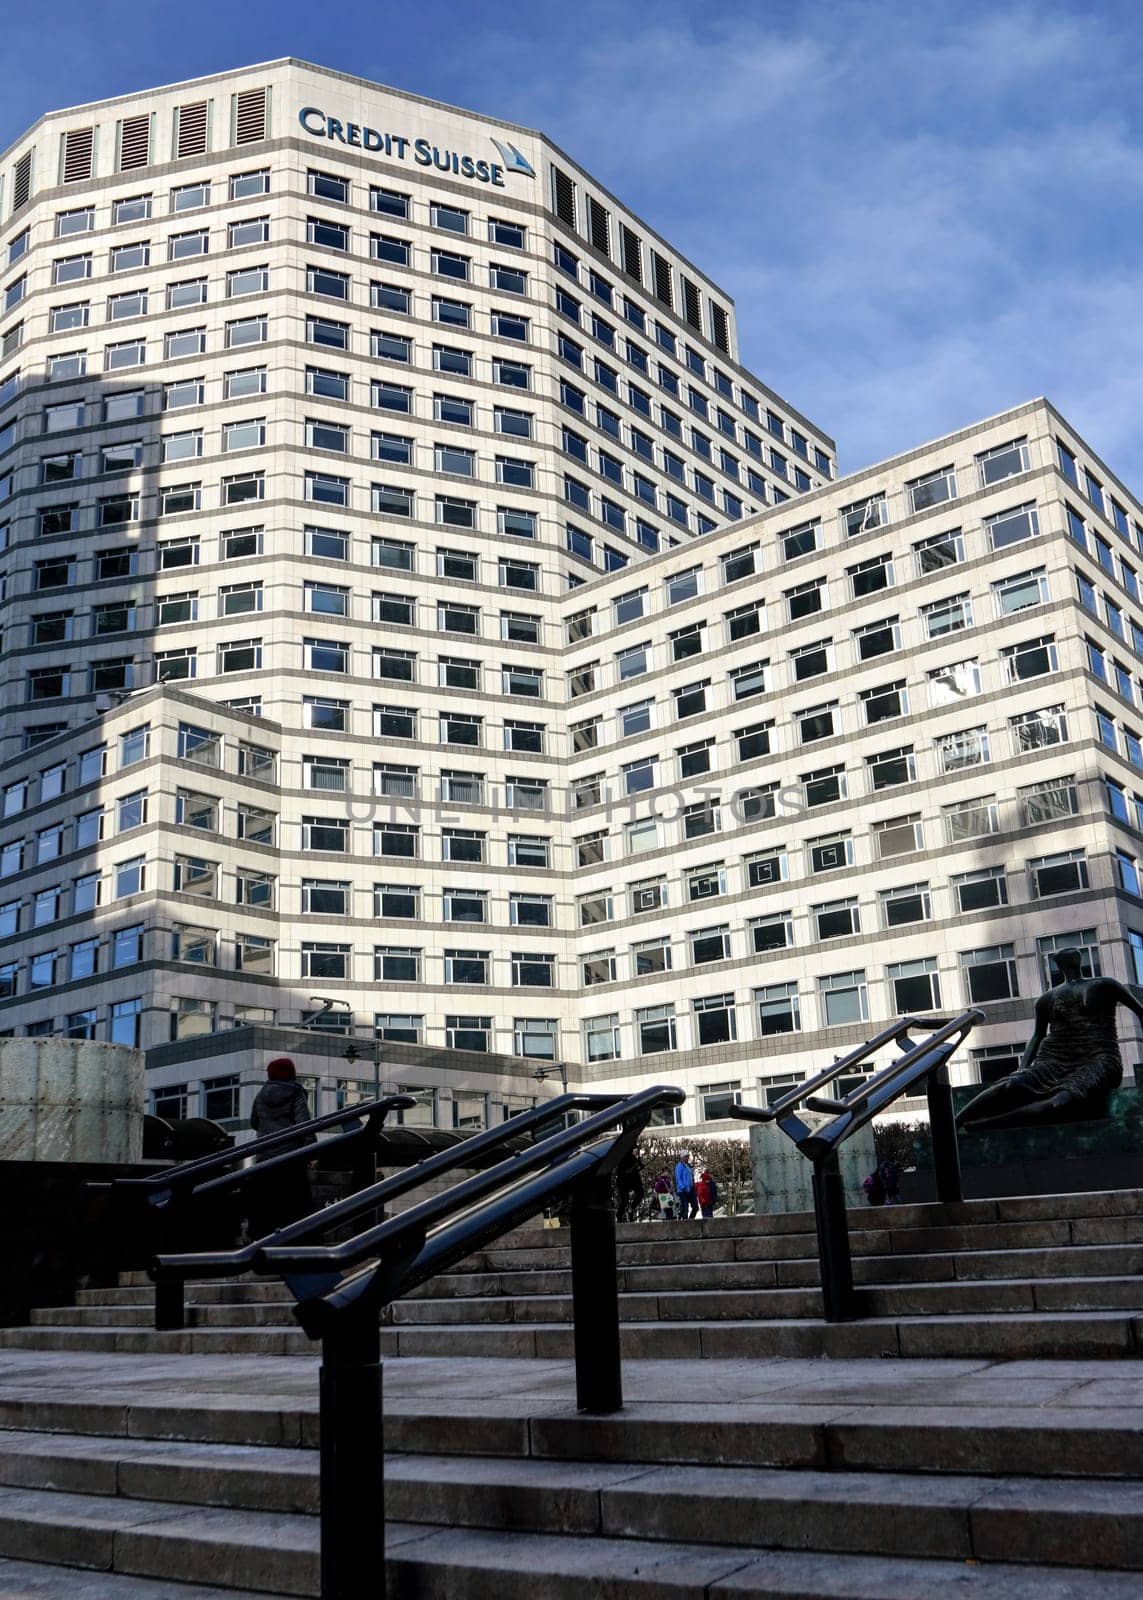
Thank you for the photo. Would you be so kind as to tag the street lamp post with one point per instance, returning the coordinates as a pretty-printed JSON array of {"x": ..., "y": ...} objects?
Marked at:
[
  {"x": 352, "y": 1054},
  {"x": 557, "y": 1066}
]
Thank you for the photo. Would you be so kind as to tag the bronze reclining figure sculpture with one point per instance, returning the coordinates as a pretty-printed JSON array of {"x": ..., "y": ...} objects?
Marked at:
[{"x": 1071, "y": 1064}]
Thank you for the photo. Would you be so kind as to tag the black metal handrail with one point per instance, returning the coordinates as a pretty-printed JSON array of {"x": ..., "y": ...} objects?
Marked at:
[
  {"x": 819, "y": 1141},
  {"x": 342, "y": 1287},
  {"x": 175, "y": 1201},
  {"x": 473, "y": 1151}
]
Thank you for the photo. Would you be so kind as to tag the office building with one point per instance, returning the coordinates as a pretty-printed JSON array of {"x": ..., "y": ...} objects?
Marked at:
[{"x": 420, "y": 628}]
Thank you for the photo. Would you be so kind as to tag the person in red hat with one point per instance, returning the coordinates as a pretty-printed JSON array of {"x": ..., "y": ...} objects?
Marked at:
[{"x": 280, "y": 1104}]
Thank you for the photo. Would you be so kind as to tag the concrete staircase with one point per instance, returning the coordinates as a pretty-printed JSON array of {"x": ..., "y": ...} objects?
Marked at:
[
  {"x": 196, "y": 1478},
  {"x": 1051, "y": 1276},
  {"x": 1003, "y": 1459}
]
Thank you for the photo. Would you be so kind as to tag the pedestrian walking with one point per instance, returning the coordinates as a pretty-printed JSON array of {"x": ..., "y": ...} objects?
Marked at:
[
  {"x": 665, "y": 1206},
  {"x": 284, "y": 1195},
  {"x": 685, "y": 1187}
]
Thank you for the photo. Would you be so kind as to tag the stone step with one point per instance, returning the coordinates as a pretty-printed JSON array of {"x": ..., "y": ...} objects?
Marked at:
[
  {"x": 1057, "y": 1335},
  {"x": 1014, "y": 1208},
  {"x": 283, "y": 1340},
  {"x": 706, "y": 1305},
  {"x": 178, "y": 1472},
  {"x": 1060, "y": 1334},
  {"x": 654, "y": 1247},
  {"x": 1102, "y": 1206},
  {"x": 1019, "y": 1418},
  {"x": 803, "y": 1271},
  {"x": 955, "y": 1517},
  {"x": 279, "y": 1552},
  {"x": 237, "y": 1291},
  {"x": 469, "y": 1563},
  {"x": 506, "y": 1301},
  {"x": 1113, "y": 1261},
  {"x": 243, "y": 1314},
  {"x": 271, "y": 1551},
  {"x": 30, "y": 1580}
]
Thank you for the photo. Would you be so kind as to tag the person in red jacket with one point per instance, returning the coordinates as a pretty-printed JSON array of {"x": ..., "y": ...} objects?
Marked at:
[{"x": 706, "y": 1193}]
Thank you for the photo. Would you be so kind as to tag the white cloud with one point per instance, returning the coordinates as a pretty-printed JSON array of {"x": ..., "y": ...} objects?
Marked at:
[
  {"x": 924, "y": 215},
  {"x": 925, "y": 212}
]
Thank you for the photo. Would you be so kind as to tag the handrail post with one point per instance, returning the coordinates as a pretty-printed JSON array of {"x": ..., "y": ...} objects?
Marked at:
[
  {"x": 170, "y": 1305},
  {"x": 352, "y": 1468},
  {"x": 839, "y": 1301},
  {"x": 595, "y": 1298},
  {"x": 942, "y": 1126}
]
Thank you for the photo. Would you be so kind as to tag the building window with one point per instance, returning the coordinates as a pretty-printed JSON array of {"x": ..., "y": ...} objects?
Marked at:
[
  {"x": 601, "y": 1038},
  {"x": 129, "y": 876},
  {"x": 530, "y": 970},
  {"x": 1052, "y": 801},
  {"x": 778, "y": 1009},
  {"x": 839, "y": 919},
  {"x": 468, "y": 1033},
  {"x": 897, "y": 836},
  {"x": 535, "y": 1038},
  {"x": 990, "y": 973},
  {"x": 934, "y": 489},
  {"x": 1065, "y": 873},
  {"x": 958, "y": 751},
  {"x": 397, "y": 964},
  {"x": 1031, "y": 659},
  {"x": 1085, "y": 940},
  {"x": 981, "y": 890},
  {"x": 914, "y": 987},
  {"x": 655, "y": 1029},
  {"x": 904, "y": 905},
  {"x": 401, "y": 902},
  {"x": 194, "y": 875},
  {"x": 970, "y": 819},
  {"x": 716, "y": 1099},
  {"x": 323, "y": 960},
  {"x": 844, "y": 998},
  {"x": 865, "y": 516},
  {"x": 465, "y": 905},
  {"x": 124, "y": 1020}
]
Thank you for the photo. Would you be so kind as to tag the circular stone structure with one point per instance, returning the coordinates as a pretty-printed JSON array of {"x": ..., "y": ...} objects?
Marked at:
[{"x": 70, "y": 1100}]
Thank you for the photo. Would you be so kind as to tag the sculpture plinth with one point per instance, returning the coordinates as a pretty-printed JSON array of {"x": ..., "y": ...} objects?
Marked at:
[{"x": 70, "y": 1100}]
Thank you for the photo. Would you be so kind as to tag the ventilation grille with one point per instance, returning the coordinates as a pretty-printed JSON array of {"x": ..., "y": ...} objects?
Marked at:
[
  {"x": 190, "y": 140},
  {"x": 692, "y": 306},
  {"x": 598, "y": 226},
  {"x": 250, "y": 116},
  {"x": 632, "y": 253},
  {"x": 662, "y": 270},
  {"x": 563, "y": 195},
  {"x": 22, "y": 181},
  {"x": 78, "y": 145},
  {"x": 134, "y": 142},
  {"x": 720, "y": 328}
]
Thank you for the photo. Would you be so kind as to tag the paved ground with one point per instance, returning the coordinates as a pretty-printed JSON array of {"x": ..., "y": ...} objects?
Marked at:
[{"x": 722, "y": 1388}]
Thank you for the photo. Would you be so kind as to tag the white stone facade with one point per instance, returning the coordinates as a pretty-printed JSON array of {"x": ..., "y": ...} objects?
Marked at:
[{"x": 411, "y": 604}]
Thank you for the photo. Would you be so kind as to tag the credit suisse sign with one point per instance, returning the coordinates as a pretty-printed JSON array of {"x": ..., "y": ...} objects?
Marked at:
[{"x": 396, "y": 146}]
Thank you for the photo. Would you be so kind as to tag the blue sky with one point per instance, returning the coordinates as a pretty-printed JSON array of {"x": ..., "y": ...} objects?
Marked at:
[{"x": 926, "y": 212}]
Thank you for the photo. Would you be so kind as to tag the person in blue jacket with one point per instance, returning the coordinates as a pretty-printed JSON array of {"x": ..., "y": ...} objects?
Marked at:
[{"x": 685, "y": 1187}]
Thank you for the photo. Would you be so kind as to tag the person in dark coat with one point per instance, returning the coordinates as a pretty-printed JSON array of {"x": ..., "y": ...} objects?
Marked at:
[
  {"x": 629, "y": 1188},
  {"x": 280, "y": 1104}
]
